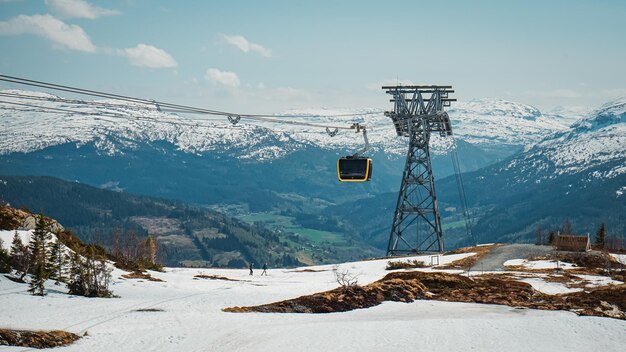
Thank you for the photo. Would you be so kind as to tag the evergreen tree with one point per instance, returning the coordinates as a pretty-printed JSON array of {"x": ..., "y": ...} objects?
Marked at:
[
  {"x": 601, "y": 236},
  {"x": 89, "y": 275},
  {"x": 77, "y": 273},
  {"x": 5, "y": 259},
  {"x": 38, "y": 251},
  {"x": 20, "y": 256},
  {"x": 551, "y": 238},
  {"x": 17, "y": 248},
  {"x": 57, "y": 261}
]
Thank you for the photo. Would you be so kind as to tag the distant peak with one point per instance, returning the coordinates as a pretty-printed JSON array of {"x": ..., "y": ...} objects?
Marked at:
[
  {"x": 498, "y": 107},
  {"x": 615, "y": 106},
  {"x": 612, "y": 112}
]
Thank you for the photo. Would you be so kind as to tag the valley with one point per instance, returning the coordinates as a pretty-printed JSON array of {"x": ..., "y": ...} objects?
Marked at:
[{"x": 517, "y": 163}]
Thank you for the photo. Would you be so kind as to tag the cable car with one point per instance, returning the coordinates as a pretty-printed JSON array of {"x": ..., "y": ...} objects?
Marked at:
[{"x": 354, "y": 169}]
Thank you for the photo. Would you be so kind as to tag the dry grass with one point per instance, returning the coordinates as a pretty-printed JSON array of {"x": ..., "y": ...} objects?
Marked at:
[
  {"x": 521, "y": 268},
  {"x": 564, "y": 278},
  {"x": 409, "y": 264},
  {"x": 215, "y": 277},
  {"x": 141, "y": 276},
  {"x": 407, "y": 286},
  {"x": 589, "y": 260},
  {"x": 149, "y": 310},
  {"x": 349, "y": 298},
  {"x": 36, "y": 339},
  {"x": 589, "y": 263}
]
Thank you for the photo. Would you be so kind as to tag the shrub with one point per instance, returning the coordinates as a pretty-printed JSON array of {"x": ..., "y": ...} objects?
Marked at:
[
  {"x": 345, "y": 278},
  {"x": 89, "y": 275},
  {"x": 409, "y": 264}
]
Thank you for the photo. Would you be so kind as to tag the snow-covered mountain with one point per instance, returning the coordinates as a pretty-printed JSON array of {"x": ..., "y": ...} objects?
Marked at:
[
  {"x": 496, "y": 121},
  {"x": 578, "y": 174},
  {"x": 596, "y": 143},
  {"x": 113, "y": 128},
  {"x": 568, "y": 115}
]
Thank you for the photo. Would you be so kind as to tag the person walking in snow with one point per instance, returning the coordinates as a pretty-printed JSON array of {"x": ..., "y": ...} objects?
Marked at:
[
  {"x": 264, "y": 269},
  {"x": 250, "y": 266}
]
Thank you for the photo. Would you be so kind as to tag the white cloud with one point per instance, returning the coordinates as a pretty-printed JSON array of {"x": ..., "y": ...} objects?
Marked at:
[
  {"x": 65, "y": 35},
  {"x": 245, "y": 45},
  {"x": 73, "y": 37},
  {"x": 222, "y": 77},
  {"x": 79, "y": 9},
  {"x": 148, "y": 56}
]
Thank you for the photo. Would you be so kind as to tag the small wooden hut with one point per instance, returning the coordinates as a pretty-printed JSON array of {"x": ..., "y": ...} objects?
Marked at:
[{"x": 573, "y": 243}]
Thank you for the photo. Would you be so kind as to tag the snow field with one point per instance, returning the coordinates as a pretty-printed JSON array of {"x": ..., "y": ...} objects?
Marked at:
[{"x": 192, "y": 318}]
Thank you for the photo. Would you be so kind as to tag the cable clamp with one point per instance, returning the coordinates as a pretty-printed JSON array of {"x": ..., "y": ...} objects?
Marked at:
[
  {"x": 234, "y": 119},
  {"x": 332, "y": 133}
]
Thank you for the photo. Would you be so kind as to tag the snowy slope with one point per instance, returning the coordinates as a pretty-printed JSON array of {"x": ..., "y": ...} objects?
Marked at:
[
  {"x": 7, "y": 237},
  {"x": 497, "y": 121},
  {"x": 191, "y": 319},
  {"x": 567, "y": 115},
  {"x": 595, "y": 142},
  {"x": 25, "y": 237},
  {"x": 115, "y": 128}
]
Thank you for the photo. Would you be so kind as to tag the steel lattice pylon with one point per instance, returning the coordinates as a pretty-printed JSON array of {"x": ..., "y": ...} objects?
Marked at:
[{"x": 418, "y": 111}]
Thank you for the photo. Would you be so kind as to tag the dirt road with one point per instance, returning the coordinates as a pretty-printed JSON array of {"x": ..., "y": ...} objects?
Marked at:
[{"x": 496, "y": 258}]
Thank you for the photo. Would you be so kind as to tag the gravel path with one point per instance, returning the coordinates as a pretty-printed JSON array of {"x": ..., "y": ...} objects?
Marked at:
[{"x": 496, "y": 258}]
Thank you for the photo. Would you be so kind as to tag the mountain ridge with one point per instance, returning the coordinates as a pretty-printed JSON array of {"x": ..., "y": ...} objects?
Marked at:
[{"x": 113, "y": 127}]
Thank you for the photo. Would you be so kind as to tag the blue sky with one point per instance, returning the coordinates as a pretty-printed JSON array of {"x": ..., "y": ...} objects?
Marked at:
[{"x": 269, "y": 56}]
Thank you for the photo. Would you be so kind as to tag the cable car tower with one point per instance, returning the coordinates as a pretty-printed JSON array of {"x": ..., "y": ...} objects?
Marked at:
[{"x": 417, "y": 112}]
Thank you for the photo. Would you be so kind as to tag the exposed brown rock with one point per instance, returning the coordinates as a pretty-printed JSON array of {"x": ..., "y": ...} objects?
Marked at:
[
  {"x": 215, "y": 277},
  {"x": 408, "y": 286},
  {"x": 141, "y": 275},
  {"x": 36, "y": 339}
]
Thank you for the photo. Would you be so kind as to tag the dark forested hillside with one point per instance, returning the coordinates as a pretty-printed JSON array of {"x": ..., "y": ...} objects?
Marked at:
[{"x": 187, "y": 235}]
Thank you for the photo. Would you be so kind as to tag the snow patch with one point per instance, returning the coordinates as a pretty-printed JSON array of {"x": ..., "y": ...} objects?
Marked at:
[
  {"x": 7, "y": 237},
  {"x": 549, "y": 288},
  {"x": 540, "y": 264},
  {"x": 619, "y": 257}
]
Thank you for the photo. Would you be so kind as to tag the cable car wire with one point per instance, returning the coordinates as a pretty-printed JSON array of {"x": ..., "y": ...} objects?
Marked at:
[
  {"x": 53, "y": 110},
  {"x": 461, "y": 189},
  {"x": 83, "y": 103},
  {"x": 198, "y": 122},
  {"x": 182, "y": 108}
]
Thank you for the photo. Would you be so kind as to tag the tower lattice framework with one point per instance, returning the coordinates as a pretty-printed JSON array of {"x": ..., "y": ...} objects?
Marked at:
[{"x": 418, "y": 111}]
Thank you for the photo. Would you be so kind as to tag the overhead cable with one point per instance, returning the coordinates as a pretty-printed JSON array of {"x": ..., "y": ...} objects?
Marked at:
[{"x": 182, "y": 108}]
